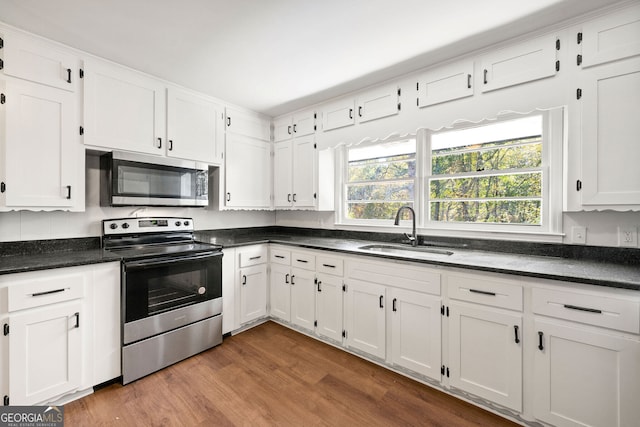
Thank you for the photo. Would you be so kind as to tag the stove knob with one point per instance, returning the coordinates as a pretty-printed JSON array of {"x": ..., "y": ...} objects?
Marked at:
[
  {"x": 178, "y": 223},
  {"x": 186, "y": 223},
  {"x": 113, "y": 226},
  {"x": 125, "y": 225}
]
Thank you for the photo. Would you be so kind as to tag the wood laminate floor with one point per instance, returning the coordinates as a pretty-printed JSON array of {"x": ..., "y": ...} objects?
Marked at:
[{"x": 271, "y": 375}]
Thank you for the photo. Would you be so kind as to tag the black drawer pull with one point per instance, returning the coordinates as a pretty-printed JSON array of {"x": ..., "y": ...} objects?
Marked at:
[
  {"x": 515, "y": 330},
  {"x": 328, "y": 265},
  {"x": 255, "y": 257},
  {"x": 302, "y": 260},
  {"x": 540, "y": 335},
  {"x": 575, "y": 307},
  {"x": 55, "y": 291},
  {"x": 279, "y": 256},
  {"x": 476, "y": 291}
]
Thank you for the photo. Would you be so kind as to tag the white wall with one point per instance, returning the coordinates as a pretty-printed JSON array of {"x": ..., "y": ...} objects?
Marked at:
[{"x": 26, "y": 225}]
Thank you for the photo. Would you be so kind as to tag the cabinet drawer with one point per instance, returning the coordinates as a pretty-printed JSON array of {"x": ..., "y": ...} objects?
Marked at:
[
  {"x": 302, "y": 260},
  {"x": 40, "y": 288},
  {"x": 399, "y": 275},
  {"x": 485, "y": 290},
  {"x": 329, "y": 265},
  {"x": 280, "y": 256},
  {"x": 596, "y": 310},
  {"x": 252, "y": 256}
]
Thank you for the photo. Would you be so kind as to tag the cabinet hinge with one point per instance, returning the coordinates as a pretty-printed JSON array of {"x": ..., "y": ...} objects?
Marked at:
[
  {"x": 3, "y": 99},
  {"x": 81, "y": 72},
  {"x": 315, "y": 128},
  {"x": 579, "y": 60},
  {"x": 579, "y": 38},
  {"x": 315, "y": 145},
  {"x": 6, "y": 329},
  {"x": 344, "y": 334},
  {"x": 315, "y": 323},
  {"x": 418, "y": 86},
  {"x": 81, "y": 130},
  {"x": 6, "y": 400},
  {"x": 418, "y": 102},
  {"x": 344, "y": 288},
  {"x": 558, "y": 65},
  {"x": 578, "y": 93},
  {"x": 442, "y": 310},
  {"x": 399, "y": 106},
  {"x": 1, "y": 43},
  {"x": 399, "y": 91},
  {"x": 557, "y": 44},
  {"x": 315, "y": 115},
  {"x": 447, "y": 372},
  {"x": 1, "y": 64},
  {"x": 447, "y": 311},
  {"x": 315, "y": 195},
  {"x": 442, "y": 370},
  {"x": 3, "y": 187},
  {"x": 578, "y": 185}
]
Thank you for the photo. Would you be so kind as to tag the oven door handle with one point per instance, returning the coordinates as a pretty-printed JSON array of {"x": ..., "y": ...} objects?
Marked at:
[{"x": 169, "y": 260}]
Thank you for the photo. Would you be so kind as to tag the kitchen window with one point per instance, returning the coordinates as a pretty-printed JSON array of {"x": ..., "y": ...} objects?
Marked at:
[{"x": 380, "y": 178}]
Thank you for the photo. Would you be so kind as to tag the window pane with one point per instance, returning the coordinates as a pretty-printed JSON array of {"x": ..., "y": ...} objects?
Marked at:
[
  {"x": 487, "y": 187},
  {"x": 381, "y": 191},
  {"x": 374, "y": 210},
  {"x": 384, "y": 168},
  {"x": 525, "y": 212}
]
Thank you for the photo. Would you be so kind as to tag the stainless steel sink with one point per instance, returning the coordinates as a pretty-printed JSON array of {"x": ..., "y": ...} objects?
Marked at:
[{"x": 410, "y": 251}]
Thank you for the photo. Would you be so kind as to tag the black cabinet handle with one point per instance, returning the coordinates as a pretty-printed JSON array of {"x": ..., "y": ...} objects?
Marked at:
[
  {"x": 292, "y": 277},
  {"x": 286, "y": 278},
  {"x": 540, "y": 335},
  {"x": 228, "y": 121},
  {"x": 485, "y": 76},
  {"x": 319, "y": 283},
  {"x": 351, "y": 113},
  {"x": 294, "y": 128},
  {"x": 575, "y": 307},
  {"x": 328, "y": 265},
  {"x": 279, "y": 256},
  {"x": 159, "y": 142},
  {"x": 289, "y": 130},
  {"x": 302, "y": 260},
  {"x": 289, "y": 197},
  {"x": 228, "y": 197},
  {"x": 294, "y": 197},
  {"x": 393, "y": 304},
  {"x": 68, "y": 192},
  {"x": 476, "y": 291},
  {"x": 515, "y": 330},
  {"x": 244, "y": 279},
  {"x": 68, "y": 75},
  {"x": 381, "y": 305},
  {"x": 171, "y": 145},
  {"x": 77, "y": 320},
  {"x": 55, "y": 291},
  {"x": 255, "y": 257},
  {"x": 360, "y": 111},
  {"x": 468, "y": 81}
]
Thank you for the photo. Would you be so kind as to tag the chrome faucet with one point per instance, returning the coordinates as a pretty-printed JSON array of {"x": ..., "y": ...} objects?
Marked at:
[{"x": 413, "y": 239}]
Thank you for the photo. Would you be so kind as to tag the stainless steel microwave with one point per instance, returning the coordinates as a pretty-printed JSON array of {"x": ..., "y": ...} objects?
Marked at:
[{"x": 129, "y": 179}]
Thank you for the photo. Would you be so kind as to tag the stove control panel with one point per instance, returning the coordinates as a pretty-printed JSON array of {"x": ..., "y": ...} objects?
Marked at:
[{"x": 145, "y": 225}]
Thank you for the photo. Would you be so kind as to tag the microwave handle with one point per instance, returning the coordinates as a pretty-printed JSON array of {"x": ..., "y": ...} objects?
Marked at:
[{"x": 132, "y": 265}]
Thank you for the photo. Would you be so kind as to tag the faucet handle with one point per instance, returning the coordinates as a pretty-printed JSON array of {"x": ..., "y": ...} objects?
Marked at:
[{"x": 410, "y": 237}]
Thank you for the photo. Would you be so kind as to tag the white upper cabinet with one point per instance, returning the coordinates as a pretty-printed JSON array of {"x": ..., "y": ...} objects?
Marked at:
[
  {"x": 282, "y": 174},
  {"x": 41, "y": 62},
  {"x": 123, "y": 109},
  {"x": 195, "y": 127},
  {"x": 521, "y": 63},
  {"x": 446, "y": 83},
  {"x": 247, "y": 123},
  {"x": 300, "y": 124},
  {"x": 41, "y": 165},
  {"x": 378, "y": 103},
  {"x": 615, "y": 36},
  {"x": 247, "y": 173},
  {"x": 610, "y": 104},
  {"x": 338, "y": 114},
  {"x": 295, "y": 172}
]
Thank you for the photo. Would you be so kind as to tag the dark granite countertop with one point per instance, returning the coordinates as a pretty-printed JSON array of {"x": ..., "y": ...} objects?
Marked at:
[{"x": 611, "y": 268}]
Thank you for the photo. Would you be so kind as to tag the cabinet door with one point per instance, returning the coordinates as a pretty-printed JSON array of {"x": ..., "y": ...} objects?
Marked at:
[
  {"x": 195, "y": 127},
  {"x": 282, "y": 174},
  {"x": 45, "y": 353},
  {"x": 123, "y": 109},
  {"x": 329, "y": 306},
  {"x": 304, "y": 123},
  {"x": 378, "y": 103},
  {"x": 585, "y": 378},
  {"x": 303, "y": 312},
  {"x": 41, "y": 160},
  {"x": 610, "y": 129},
  {"x": 304, "y": 172},
  {"x": 615, "y": 36},
  {"x": 280, "y": 282},
  {"x": 415, "y": 332},
  {"x": 485, "y": 353},
  {"x": 338, "y": 114},
  {"x": 445, "y": 84},
  {"x": 248, "y": 164},
  {"x": 36, "y": 60},
  {"x": 247, "y": 123},
  {"x": 253, "y": 293},
  {"x": 365, "y": 317},
  {"x": 525, "y": 62},
  {"x": 282, "y": 129}
]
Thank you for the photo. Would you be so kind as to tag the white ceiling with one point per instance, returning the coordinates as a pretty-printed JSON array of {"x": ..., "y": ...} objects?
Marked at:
[{"x": 274, "y": 56}]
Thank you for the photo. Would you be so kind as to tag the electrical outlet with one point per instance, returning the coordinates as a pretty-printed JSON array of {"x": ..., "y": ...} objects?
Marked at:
[
  {"x": 628, "y": 236},
  {"x": 579, "y": 235}
]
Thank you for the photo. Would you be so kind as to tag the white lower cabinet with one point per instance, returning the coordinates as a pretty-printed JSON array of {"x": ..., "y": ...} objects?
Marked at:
[
  {"x": 365, "y": 323},
  {"x": 485, "y": 353},
  {"x": 329, "y": 306},
  {"x": 303, "y": 298},
  {"x": 280, "y": 290},
  {"x": 415, "y": 331},
  {"x": 62, "y": 332},
  {"x": 252, "y": 281}
]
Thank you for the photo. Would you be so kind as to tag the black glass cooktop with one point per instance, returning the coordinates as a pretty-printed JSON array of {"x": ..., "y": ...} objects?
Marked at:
[{"x": 164, "y": 250}]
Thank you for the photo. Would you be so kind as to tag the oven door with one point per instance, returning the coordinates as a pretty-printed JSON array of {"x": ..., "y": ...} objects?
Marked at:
[{"x": 160, "y": 285}]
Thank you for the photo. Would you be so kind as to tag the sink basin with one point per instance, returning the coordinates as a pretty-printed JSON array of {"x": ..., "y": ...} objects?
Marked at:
[{"x": 410, "y": 251}]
